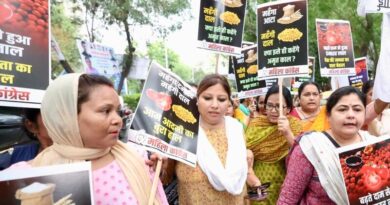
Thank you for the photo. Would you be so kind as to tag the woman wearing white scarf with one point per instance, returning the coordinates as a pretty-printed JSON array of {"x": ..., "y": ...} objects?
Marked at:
[
  {"x": 313, "y": 172},
  {"x": 67, "y": 108},
  {"x": 222, "y": 171}
]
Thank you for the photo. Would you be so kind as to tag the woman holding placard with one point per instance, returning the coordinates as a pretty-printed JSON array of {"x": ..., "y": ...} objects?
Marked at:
[
  {"x": 270, "y": 136},
  {"x": 314, "y": 175},
  {"x": 222, "y": 169},
  {"x": 80, "y": 112}
]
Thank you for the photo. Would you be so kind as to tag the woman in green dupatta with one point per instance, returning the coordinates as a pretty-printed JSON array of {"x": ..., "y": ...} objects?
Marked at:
[{"x": 269, "y": 137}]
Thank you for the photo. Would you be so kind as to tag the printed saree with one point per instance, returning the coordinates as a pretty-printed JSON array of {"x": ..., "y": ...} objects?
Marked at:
[
  {"x": 269, "y": 148},
  {"x": 319, "y": 123}
]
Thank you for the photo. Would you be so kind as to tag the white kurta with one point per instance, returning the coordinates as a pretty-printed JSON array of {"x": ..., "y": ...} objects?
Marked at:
[{"x": 382, "y": 77}]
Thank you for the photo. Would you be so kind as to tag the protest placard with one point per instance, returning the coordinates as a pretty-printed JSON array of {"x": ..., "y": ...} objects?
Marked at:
[
  {"x": 167, "y": 117},
  {"x": 366, "y": 173},
  {"x": 70, "y": 183},
  {"x": 282, "y": 39},
  {"x": 221, "y": 25},
  {"x": 24, "y": 54},
  {"x": 297, "y": 81},
  {"x": 376, "y": 6},
  {"x": 361, "y": 76},
  {"x": 335, "y": 47},
  {"x": 101, "y": 60},
  {"x": 245, "y": 70}
]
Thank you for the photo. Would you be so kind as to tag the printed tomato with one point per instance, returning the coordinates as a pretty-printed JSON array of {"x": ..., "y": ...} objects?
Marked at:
[
  {"x": 164, "y": 101},
  {"x": 358, "y": 69},
  {"x": 383, "y": 172},
  {"x": 151, "y": 94},
  {"x": 5, "y": 12},
  {"x": 372, "y": 181}
]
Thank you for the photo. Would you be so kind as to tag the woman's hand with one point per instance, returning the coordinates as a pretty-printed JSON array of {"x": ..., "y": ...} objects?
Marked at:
[
  {"x": 283, "y": 125},
  {"x": 252, "y": 109},
  {"x": 285, "y": 129},
  {"x": 252, "y": 180},
  {"x": 152, "y": 161}
]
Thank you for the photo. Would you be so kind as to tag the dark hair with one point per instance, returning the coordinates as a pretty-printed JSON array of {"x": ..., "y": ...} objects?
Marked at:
[
  {"x": 341, "y": 92},
  {"x": 211, "y": 80},
  {"x": 87, "y": 82},
  {"x": 30, "y": 114},
  {"x": 286, "y": 94},
  {"x": 258, "y": 101},
  {"x": 304, "y": 84},
  {"x": 367, "y": 86}
]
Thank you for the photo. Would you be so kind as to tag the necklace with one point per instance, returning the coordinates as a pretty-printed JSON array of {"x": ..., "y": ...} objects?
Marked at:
[{"x": 307, "y": 117}]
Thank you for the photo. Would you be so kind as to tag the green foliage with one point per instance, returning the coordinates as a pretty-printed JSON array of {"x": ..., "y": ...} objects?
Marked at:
[
  {"x": 65, "y": 30},
  {"x": 156, "y": 51},
  {"x": 134, "y": 86},
  {"x": 132, "y": 100},
  {"x": 126, "y": 13},
  {"x": 198, "y": 75}
]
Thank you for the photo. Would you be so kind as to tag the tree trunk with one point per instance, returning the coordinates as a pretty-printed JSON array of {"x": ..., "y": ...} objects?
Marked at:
[
  {"x": 127, "y": 58},
  {"x": 86, "y": 24},
  {"x": 370, "y": 31}
]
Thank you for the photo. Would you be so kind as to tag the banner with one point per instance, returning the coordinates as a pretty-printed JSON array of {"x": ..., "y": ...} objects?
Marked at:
[
  {"x": 335, "y": 47},
  {"x": 297, "y": 81},
  {"x": 56, "y": 184},
  {"x": 361, "y": 76},
  {"x": 221, "y": 25},
  {"x": 376, "y": 6},
  {"x": 382, "y": 77},
  {"x": 245, "y": 70},
  {"x": 366, "y": 172},
  {"x": 167, "y": 117},
  {"x": 357, "y": 80},
  {"x": 101, "y": 60},
  {"x": 282, "y": 39},
  {"x": 24, "y": 53}
]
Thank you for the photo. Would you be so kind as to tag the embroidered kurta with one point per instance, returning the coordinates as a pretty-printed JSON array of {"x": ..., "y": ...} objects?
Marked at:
[
  {"x": 302, "y": 185},
  {"x": 194, "y": 186}
]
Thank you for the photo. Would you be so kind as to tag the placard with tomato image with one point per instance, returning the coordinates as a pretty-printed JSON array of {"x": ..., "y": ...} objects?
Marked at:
[
  {"x": 366, "y": 172},
  {"x": 24, "y": 51},
  {"x": 361, "y": 76},
  {"x": 167, "y": 117},
  {"x": 335, "y": 47}
]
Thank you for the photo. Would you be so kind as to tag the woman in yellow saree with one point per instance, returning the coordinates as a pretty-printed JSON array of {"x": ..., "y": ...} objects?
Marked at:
[{"x": 269, "y": 137}]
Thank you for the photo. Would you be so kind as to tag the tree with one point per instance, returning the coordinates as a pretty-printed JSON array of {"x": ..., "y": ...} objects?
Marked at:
[
  {"x": 127, "y": 13},
  {"x": 65, "y": 30},
  {"x": 156, "y": 51}
]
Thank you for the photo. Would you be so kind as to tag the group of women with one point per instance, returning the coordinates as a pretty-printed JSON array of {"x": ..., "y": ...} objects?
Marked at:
[{"x": 89, "y": 105}]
